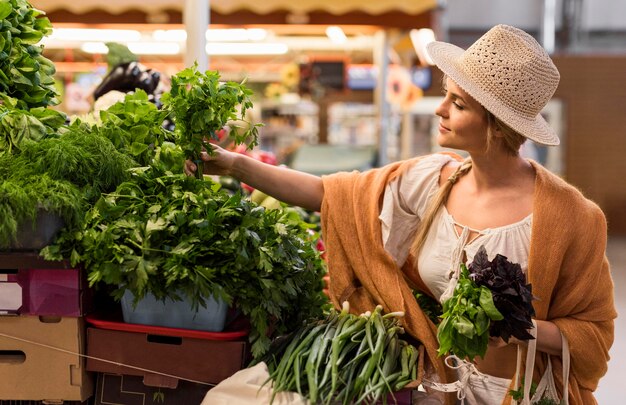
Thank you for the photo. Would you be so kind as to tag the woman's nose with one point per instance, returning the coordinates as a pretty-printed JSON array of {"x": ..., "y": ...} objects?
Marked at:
[{"x": 442, "y": 109}]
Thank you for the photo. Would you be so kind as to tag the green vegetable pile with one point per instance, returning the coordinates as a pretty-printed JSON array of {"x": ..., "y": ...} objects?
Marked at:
[
  {"x": 490, "y": 299},
  {"x": 202, "y": 105},
  {"x": 135, "y": 127},
  {"x": 132, "y": 219},
  {"x": 17, "y": 125},
  {"x": 26, "y": 76},
  {"x": 344, "y": 358},
  {"x": 61, "y": 175},
  {"x": 46, "y": 165},
  {"x": 161, "y": 233}
]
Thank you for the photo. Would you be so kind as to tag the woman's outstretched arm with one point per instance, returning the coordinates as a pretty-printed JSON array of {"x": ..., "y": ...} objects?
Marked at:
[{"x": 290, "y": 186}]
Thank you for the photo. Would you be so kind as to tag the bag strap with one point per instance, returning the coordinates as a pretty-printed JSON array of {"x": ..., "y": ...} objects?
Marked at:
[
  {"x": 530, "y": 365},
  {"x": 565, "y": 358}
]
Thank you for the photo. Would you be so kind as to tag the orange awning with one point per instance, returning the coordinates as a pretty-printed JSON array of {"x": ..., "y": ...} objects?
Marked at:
[{"x": 412, "y": 7}]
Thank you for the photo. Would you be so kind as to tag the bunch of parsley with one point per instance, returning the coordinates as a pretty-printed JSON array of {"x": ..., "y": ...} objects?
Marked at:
[
  {"x": 201, "y": 105},
  {"x": 168, "y": 234}
]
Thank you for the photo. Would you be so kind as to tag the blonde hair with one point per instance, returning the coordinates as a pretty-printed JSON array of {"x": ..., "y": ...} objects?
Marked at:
[
  {"x": 512, "y": 141},
  {"x": 435, "y": 204}
]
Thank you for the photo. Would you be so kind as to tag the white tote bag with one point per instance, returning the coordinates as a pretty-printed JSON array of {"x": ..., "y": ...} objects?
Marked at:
[{"x": 546, "y": 387}]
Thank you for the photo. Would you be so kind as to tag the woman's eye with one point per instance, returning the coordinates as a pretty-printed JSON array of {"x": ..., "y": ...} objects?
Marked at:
[{"x": 457, "y": 105}]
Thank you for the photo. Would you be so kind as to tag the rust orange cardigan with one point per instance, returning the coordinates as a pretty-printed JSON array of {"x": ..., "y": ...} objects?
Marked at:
[{"x": 567, "y": 268}]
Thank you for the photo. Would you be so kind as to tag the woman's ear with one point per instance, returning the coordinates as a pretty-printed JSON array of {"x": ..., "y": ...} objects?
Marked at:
[{"x": 496, "y": 129}]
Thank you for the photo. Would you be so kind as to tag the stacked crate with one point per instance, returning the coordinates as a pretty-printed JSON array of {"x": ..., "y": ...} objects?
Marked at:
[
  {"x": 160, "y": 365},
  {"x": 60, "y": 344},
  {"x": 42, "y": 331}
]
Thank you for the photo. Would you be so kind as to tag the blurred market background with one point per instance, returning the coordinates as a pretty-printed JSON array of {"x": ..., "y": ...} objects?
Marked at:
[{"x": 346, "y": 85}]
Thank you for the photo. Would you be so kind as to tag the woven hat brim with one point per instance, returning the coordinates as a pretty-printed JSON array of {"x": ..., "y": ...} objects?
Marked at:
[{"x": 447, "y": 57}]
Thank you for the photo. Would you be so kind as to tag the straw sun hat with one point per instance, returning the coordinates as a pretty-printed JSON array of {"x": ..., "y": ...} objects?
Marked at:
[{"x": 507, "y": 72}]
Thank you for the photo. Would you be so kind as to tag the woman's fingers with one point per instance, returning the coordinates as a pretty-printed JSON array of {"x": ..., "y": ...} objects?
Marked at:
[
  {"x": 205, "y": 156},
  {"x": 190, "y": 168}
]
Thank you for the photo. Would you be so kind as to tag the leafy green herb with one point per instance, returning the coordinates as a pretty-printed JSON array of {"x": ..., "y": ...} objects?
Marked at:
[
  {"x": 135, "y": 127},
  {"x": 491, "y": 296},
  {"x": 17, "y": 125},
  {"x": 88, "y": 160},
  {"x": 518, "y": 395},
  {"x": 202, "y": 105},
  {"x": 160, "y": 233},
  {"x": 464, "y": 329},
  {"x": 118, "y": 54},
  {"x": 22, "y": 196},
  {"x": 430, "y": 306},
  {"x": 26, "y": 76},
  {"x": 62, "y": 175}
]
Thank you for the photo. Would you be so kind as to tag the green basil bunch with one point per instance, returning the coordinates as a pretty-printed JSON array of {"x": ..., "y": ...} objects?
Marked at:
[{"x": 467, "y": 315}]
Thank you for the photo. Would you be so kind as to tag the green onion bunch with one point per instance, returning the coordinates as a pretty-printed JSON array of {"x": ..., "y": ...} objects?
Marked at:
[{"x": 344, "y": 358}]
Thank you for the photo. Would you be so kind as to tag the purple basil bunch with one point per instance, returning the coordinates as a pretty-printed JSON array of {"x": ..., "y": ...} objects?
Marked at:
[{"x": 512, "y": 296}]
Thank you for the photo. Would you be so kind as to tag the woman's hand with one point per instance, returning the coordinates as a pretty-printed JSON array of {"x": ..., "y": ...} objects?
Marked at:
[
  {"x": 219, "y": 162},
  {"x": 289, "y": 186}
]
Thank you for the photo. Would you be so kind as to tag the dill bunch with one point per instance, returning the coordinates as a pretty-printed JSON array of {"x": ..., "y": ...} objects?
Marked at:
[{"x": 88, "y": 160}]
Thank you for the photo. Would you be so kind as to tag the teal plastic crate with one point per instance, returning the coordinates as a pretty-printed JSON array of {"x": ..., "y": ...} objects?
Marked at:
[{"x": 174, "y": 314}]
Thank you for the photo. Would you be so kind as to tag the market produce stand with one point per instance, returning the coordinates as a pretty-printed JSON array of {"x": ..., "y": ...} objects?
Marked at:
[{"x": 126, "y": 220}]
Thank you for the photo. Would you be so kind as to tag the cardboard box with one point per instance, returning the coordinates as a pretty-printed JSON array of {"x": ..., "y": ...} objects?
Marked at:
[
  {"x": 40, "y": 359},
  {"x": 113, "y": 389},
  {"x": 151, "y": 356}
]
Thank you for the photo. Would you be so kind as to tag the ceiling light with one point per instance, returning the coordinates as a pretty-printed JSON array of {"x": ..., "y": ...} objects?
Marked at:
[
  {"x": 256, "y": 34},
  {"x": 213, "y": 35},
  {"x": 154, "y": 48},
  {"x": 420, "y": 38},
  {"x": 336, "y": 34},
  {"x": 169, "y": 35},
  {"x": 246, "y": 48},
  {"x": 138, "y": 48},
  {"x": 85, "y": 34}
]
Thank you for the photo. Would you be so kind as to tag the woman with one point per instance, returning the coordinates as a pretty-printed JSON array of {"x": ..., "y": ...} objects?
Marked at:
[{"x": 410, "y": 224}]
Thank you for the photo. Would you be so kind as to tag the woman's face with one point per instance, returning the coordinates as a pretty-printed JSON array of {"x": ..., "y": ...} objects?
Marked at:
[{"x": 463, "y": 124}]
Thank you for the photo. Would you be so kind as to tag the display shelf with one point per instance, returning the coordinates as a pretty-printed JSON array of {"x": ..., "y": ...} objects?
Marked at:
[{"x": 287, "y": 125}]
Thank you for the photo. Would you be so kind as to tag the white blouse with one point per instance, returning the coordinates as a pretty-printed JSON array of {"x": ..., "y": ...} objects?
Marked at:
[{"x": 404, "y": 204}]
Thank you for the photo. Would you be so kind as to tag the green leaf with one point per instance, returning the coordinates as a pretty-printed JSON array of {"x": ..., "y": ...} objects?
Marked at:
[
  {"x": 137, "y": 148},
  {"x": 155, "y": 224},
  {"x": 5, "y": 9},
  {"x": 481, "y": 322},
  {"x": 465, "y": 327},
  {"x": 182, "y": 248},
  {"x": 486, "y": 302}
]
